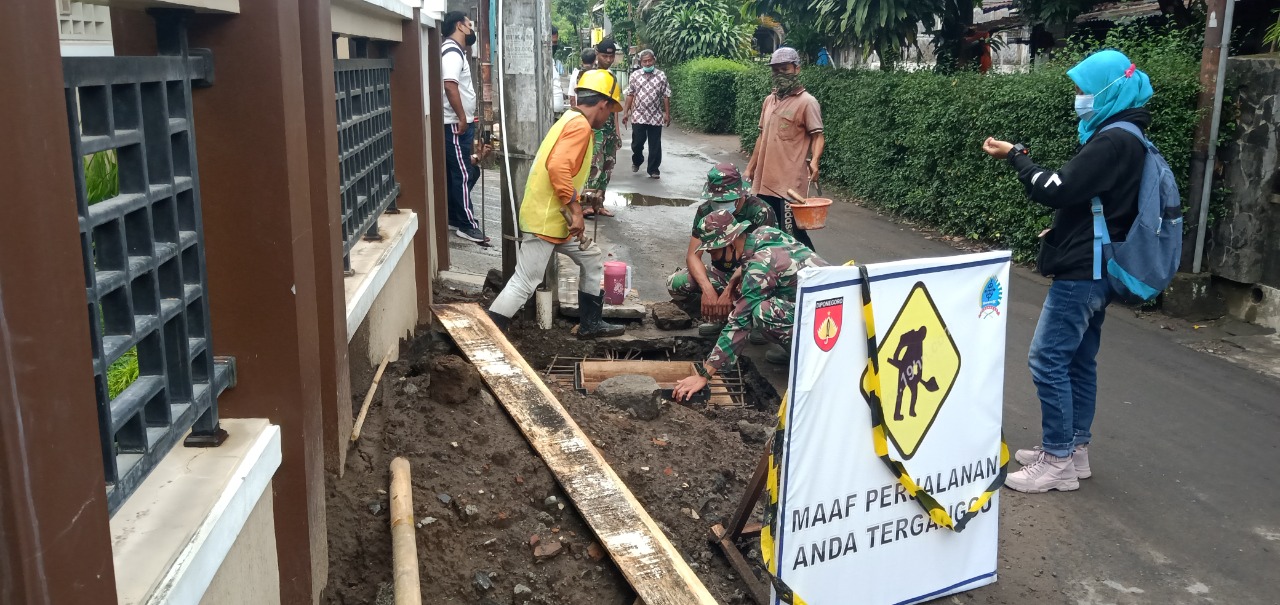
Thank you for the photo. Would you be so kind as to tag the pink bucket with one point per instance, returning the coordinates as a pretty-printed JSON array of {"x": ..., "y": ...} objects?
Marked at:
[{"x": 615, "y": 282}]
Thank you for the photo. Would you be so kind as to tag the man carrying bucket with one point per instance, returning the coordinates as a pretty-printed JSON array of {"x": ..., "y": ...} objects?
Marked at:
[
  {"x": 706, "y": 290},
  {"x": 791, "y": 142},
  {"x": 770, "y": 262}
]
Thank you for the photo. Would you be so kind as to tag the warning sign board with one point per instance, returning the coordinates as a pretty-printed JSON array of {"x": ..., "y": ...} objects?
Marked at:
[
  {"x": 919, "y": 363},
  {"x": 873, "y": 512}
]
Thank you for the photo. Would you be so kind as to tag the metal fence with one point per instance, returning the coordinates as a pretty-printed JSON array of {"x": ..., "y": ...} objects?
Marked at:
[
  {"x": 144, "y": 259},
  {"x": 366, "y": 162}
]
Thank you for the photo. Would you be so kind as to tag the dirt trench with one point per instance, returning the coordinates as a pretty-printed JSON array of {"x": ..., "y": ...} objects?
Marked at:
[{"x": 485, "y": 502}]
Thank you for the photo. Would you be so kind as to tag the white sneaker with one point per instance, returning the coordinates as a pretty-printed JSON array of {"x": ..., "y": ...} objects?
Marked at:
[
  {"x": 1048, "y": 472},
  {"x": 1079, "y": 455}
]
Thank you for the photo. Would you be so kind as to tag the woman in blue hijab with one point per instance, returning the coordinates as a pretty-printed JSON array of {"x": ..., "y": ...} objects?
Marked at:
[{"x": 1108, "y": 166}]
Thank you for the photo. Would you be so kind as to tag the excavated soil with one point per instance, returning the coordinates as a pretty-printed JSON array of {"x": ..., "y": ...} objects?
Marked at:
[{"x": 483, "y": 498}]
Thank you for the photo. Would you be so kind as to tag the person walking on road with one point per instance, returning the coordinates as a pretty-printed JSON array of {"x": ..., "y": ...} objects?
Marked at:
[
  {"x": 648, "y": 108},
  {"x": 770, "y": 262},
  {"x": 1108, "y": 167},
  {"x": 607, "y": 139},
  {"x": 551, "y": 215},
  {"x": 791, "y": 142},
  {"x": 459, "y": 125},
  {"x": 707, "y": 291}
]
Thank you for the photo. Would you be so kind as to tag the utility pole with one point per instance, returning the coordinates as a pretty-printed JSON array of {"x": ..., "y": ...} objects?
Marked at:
[
  {"x": 522, "y": 82},
  {"x": 1200, "y": 170}
]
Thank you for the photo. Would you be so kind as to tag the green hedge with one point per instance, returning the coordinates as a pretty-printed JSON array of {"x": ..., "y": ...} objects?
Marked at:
[
  {"x": 910, "y": 143},
  {"x": 704, "y": 92}
]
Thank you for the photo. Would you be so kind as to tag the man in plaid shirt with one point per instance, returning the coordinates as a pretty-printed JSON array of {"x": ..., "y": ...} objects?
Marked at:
[{"x": 649, "y": 108}]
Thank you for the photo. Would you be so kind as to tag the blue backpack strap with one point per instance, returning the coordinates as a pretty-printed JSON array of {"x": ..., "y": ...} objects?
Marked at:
[
  {"x": 1132, "y": 129},
  {"x": 1101, "y": 237}
]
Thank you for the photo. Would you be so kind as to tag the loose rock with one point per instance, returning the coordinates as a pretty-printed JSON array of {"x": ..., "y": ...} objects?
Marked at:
[
  {"x": 471, "y": 511},
  {"x": 754, "y": 433},
  {"x": 547, "y": 549},
  {"x": 455, "y": 381},
  {"x": 668, "y": 316},
  {"x": 482, "y": 581},
  {"x": 522, "y": 589},
  {"x": 635, "y": 393}
]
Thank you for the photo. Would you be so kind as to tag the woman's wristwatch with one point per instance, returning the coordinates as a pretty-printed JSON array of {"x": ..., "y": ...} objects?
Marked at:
[{"x": 1018, "y": 149}]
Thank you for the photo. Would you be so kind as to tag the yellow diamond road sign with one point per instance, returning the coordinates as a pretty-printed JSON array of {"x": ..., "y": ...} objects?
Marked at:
[{"x": 919, "y": 363}]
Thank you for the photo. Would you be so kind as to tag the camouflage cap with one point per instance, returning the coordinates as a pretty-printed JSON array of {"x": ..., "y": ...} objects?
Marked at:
[
  {"x": 724, "y": 183},
  {"x": 718, "y": 229}
]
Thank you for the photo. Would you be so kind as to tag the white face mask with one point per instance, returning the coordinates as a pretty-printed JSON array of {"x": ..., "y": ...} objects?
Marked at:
[
  {"x": 730, "y": 205},
  {"x": 1084, "y": 103},
  {"x": 1084, "y": 106}
]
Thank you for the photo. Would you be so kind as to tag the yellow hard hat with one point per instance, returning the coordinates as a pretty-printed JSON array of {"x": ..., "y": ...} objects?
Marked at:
[{"x": 602, "y": 81}]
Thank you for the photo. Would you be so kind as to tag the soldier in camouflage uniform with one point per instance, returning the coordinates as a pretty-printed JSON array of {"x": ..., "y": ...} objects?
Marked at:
[
  {"x": 770, "y": 261},
  {"x": 607, "y": 139},
  {"x": 703, "y": 290}
]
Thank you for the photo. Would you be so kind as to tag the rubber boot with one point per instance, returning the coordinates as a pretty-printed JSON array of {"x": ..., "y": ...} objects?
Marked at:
[
  {"x": 590, "y": 317},
  {"x": 777, "y": 355},
  {"x": 502, "y": 321}
]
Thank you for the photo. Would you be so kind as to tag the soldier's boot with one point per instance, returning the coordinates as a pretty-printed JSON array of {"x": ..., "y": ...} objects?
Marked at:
[
  {"x": 591, "y": 323},
  {"x": 710, "y": 329},
  {"x": 502, "y": 321},
  {"x": 757, "y": 337},
  {"x": 778, "y": 355}
]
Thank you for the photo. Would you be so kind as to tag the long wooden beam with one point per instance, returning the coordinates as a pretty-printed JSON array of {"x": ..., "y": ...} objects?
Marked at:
[{"x": 646, "y": 557}]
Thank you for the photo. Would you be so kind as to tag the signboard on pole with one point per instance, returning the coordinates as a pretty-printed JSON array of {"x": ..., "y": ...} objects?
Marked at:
[{"x": 874, "y": 512}]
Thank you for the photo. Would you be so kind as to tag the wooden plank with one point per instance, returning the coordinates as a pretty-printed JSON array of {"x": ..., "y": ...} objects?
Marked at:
[
  {"x": 662, "y": 371},
  {"x": 758, "y": 591},
  {"x": 667, "y": 373},
  {"x": 642, "y": 552}
]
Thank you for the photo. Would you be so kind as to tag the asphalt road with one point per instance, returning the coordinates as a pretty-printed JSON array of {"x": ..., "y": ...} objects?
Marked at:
[{"x": 1183, "y": 506}]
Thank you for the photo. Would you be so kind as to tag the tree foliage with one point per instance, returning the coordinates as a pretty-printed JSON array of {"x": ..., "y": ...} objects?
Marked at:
[
  {"x": 680, "y": 30},
  {"x": 883, "y": 26}
]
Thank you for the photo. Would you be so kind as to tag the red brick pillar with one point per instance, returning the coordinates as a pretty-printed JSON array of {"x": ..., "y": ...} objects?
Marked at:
[
  {"x": 435, "y": 126},
  {"x": 55, "y": 542},
  {"x": 258, "y": 178},
  {"x": 409, "y": 139},
  {"x": 326, "y": 226}
]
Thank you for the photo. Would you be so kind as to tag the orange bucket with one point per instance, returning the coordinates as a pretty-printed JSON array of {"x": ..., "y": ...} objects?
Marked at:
[{"x": 812, "y": 214}]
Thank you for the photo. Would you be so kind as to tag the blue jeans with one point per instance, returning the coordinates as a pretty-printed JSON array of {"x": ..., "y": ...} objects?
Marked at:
[
  {"x": 462, "y": 175},
  {"x": 1062, "y": 360}
]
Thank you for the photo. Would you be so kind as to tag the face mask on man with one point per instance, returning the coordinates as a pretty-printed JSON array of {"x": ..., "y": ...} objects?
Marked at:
[
  {"x": 650, "y": 69},
  {"x": 471, "y": 38},
  {"x": 730, "y": 205},
  {"x": 785, "y": 82}
]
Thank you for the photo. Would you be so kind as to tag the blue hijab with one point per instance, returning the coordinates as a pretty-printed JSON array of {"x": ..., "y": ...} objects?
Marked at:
[{"x": 1116, "y": 84}]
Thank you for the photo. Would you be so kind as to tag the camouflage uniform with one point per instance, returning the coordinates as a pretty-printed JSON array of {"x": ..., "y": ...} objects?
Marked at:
[
  {"x": 724, "y": 185},
  {"x": 606, "y": 149},
  {"x": 771, "y": 262}
]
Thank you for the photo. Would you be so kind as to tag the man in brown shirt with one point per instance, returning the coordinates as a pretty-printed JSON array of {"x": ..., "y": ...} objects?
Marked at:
[{"x": 790, "y": 144}]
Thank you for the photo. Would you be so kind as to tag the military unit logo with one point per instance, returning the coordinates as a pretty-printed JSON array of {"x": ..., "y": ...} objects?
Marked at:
[
  {"x": 992, "y": 296},
  {"x": 919, "y": 363},
  {"x": 827, "y": 318}
]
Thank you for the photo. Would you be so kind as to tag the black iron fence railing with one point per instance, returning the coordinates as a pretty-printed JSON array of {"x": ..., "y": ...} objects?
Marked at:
[
  {"x": 366, "y": 162},
  {"x": 144, "y": 263}
]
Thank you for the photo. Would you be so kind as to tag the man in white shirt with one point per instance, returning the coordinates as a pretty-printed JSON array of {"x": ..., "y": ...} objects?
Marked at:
[
  {"x": 588, "y": 63},
  {"x": 460, "y": 124}
]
